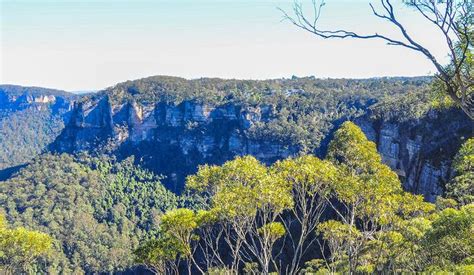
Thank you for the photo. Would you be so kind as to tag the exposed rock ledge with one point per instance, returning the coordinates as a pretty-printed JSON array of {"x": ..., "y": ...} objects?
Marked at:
[{"x": 174, "y": 139}]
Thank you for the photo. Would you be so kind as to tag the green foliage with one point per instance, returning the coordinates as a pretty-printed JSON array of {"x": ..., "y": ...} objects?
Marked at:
[
  {"x": 315, "y": 266},
  {"x": 27, "y": 123},
  {"x": 297, "y": 112},
  {"x": 308, "y": 174},
  {"x": 25, "y": 134},
  {"x": 245, "y": 199},
  {"x": 97, "y": 209},
  {"x": 252, "y": 92},
  {"x": 372, "y": 204},
  {"x": 461, "y": 187},
  {"x": 273, "y": 231},
  {"x": 131, "y": 192},
  {"x": 20, "y": 248},
  {"x": 376, "y": 226},
  {"x": 338, "y": 233},
  {"x": 244, "y": 179},
  {"x": 157, "y": 254},
  {"x": 174, "y": 243},
  {"x": 365, "y": 184},
  {"x": 311, "y": 180},
  {"x": 450, "y": 240},
  {"x": 380, "y": 228},
  {"x": 351, "y": 149},
  {"x": 180, "y": 224},
  {"x": 408, "y": 106}
]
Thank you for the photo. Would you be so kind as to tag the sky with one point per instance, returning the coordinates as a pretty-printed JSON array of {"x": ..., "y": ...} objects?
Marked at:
[{"x": 93, "y": 44}]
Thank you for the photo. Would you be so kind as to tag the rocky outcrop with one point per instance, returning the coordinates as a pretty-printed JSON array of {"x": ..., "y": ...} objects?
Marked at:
[
  {"x": 30, "y": 119},
  {"x": 16, "y": 98},
  {"x": 174, "y": 139},
  {"x": 170, "y": 139},
  {"x": 420, "y": 151}
]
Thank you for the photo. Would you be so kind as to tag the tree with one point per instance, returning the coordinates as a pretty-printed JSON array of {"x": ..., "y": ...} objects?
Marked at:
[
  {"x": 248, "y": 202},
  {"x": 367, "y": 199},
  {"x": 210, "y": 232},
  {"x": 310, "y": 178},
  {"x": 179, "y": 224},
  {"x": 159, "y": 255},
  {"x": 461, "y": 187},
  {"x": 20, "y": 248},
  {"x": 449, "y": 241},
  {"x": 454, "y": 20},
  {"x": 235, "y": 181}
]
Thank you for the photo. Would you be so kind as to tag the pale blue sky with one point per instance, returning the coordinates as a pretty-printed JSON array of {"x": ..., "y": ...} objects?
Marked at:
[{"x": 83, "y": 45}]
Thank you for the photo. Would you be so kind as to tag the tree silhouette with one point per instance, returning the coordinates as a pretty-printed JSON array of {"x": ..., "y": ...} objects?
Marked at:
[{"x": 454, "y": 20}]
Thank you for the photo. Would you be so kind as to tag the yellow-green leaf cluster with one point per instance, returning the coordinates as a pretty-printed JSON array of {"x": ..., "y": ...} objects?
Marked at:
[{"x": 20, "y": 247}]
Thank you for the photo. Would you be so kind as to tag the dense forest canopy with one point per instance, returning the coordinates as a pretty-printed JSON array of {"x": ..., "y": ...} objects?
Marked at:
[
  {"x": 30, "y": 119},
  {"x": 222, "y": 91},
  {"x": 332, "y": 212},
  {"x": 96, "y": 210},
  {"x": 101, "y": 215}
]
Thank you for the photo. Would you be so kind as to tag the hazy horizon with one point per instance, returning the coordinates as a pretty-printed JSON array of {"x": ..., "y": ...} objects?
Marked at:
[{"x": 88, "y": 46}]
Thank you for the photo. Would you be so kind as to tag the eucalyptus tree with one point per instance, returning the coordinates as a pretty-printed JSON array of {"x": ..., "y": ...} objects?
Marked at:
[
  {"x": 453, "y": 19},
  {"x": 21, "y": 248},
  {"x": 248, "y": 202},
  {"x": 368, "y": 200},
  {"x": 310, "y": 179}
]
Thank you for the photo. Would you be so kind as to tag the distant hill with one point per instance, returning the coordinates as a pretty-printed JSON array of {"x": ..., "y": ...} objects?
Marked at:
[
  {"x": 172, "y": 125},
  {"x": 99, "y": 203},
  {"x": 30, "y": 119}
]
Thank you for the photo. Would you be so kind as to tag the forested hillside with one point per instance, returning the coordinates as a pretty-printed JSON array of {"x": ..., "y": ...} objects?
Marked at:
[
  {"x": 30, "y": 119},
  {"x": 96, "y": 210},
  {"x": 262, "y": 175},
  {"x": 344, "y": 213},
  {"x": 172, "y": 125},
  {"x": 171, "y": 175}
]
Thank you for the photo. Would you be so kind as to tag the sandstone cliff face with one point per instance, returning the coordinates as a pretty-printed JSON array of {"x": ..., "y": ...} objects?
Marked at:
[
  {"x": 174, "y": 139},
  {"x": 169, "y": 139},
  {"x": 420, "y": 151},
  {"x": 41, "y": 99},
  {"x": 30, "y": 119}
]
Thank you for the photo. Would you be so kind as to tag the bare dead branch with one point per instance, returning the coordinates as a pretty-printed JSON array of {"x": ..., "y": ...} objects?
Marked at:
[{"x": 454, "y": 19}]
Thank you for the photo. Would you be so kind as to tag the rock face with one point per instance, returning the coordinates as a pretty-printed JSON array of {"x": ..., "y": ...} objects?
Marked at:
[
  {"x": 16, "y": 98},
  {"x": 420, "y": 151},
  {"x": 30, "y": 119},
  {"x": 173, "y": 140},
  {"x": 169, "y": 139}
]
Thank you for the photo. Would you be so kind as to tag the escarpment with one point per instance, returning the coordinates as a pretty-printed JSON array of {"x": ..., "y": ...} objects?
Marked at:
[
  {"x": 172, "y": 126},
  {"x": 421, "y": 150},
  {"x": 170, "y": 139},
  {"x": 30, "y": 119}
]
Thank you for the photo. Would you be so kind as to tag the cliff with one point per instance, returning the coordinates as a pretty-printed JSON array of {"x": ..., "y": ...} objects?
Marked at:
[
  {"x": 173, "y": 138},
  {"x": 420, "y": 151},
  {"x": 170, "y": 139},
  {"x": 15, "y": 98},
  {"x": 30, "y": 119}
]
